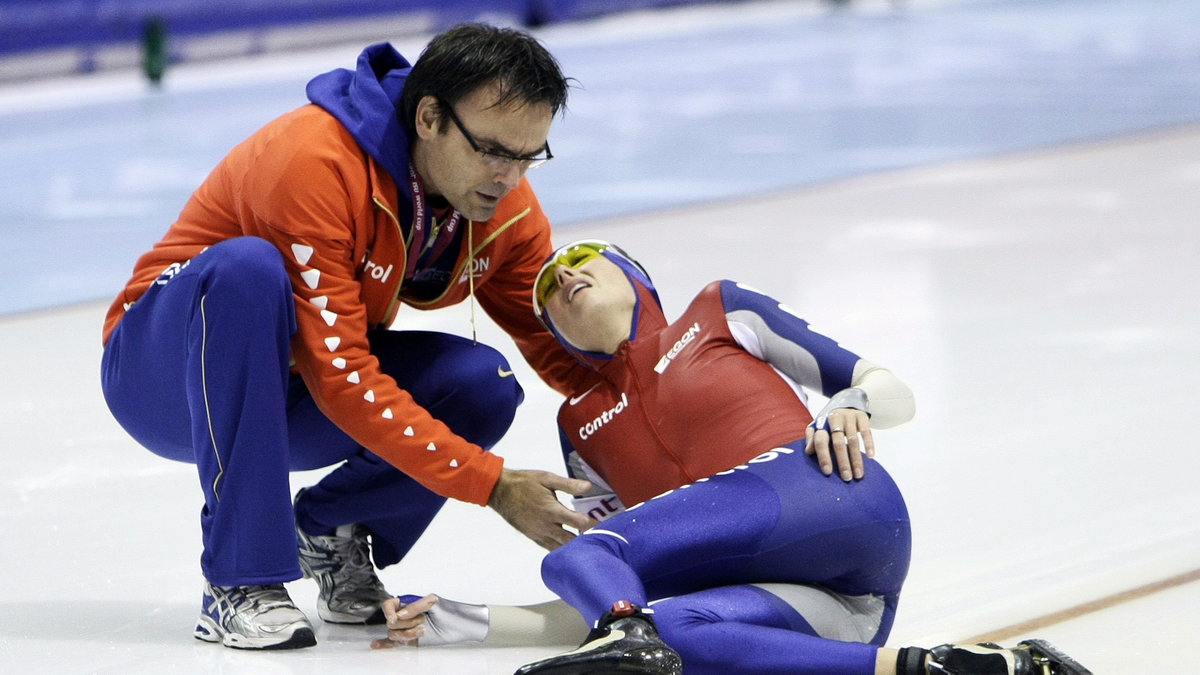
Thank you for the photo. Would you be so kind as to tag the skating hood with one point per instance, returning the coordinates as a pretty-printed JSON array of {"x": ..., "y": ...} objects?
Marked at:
[{"x": 648, "y": 316}]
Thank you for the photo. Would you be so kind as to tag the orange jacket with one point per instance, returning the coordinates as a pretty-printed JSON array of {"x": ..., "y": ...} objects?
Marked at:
[{"x": 304, "y": 184}]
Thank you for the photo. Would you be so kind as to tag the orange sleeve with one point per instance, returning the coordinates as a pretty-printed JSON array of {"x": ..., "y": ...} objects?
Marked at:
[{"x": 309, "y": 198}]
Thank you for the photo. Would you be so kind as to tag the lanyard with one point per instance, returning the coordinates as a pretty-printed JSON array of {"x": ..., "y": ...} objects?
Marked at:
[{"x": 416, "y": 244}]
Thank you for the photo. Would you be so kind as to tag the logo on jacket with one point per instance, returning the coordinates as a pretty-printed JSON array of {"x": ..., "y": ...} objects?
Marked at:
[
  {"x": 377, "y": 272},
  {"x": 478, "y": 267},
  {"x": 684, "y": 341},
  {"x": 576, "y": 399},
  {"x": 605, "y": 417}
]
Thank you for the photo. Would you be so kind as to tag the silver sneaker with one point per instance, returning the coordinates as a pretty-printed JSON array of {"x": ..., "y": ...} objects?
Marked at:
[
  {"x": 253, "y": 617},
  {"x": 341, "y": 564}
]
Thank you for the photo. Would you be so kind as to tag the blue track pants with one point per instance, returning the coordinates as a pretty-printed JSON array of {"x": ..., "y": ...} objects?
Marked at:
[{"x": 200, "y": 363}]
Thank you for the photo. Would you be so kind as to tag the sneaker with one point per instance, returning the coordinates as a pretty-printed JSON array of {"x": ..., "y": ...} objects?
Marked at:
[
  {"x": 253, "y": 617},
  {"x": 624, "y": 641},
  {"x": 341, "y": 564}
]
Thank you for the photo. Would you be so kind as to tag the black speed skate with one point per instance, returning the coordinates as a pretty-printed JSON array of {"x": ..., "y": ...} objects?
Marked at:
[
  {"x": 624, "y": 641},
  {"x": 1031, "y": 657}
]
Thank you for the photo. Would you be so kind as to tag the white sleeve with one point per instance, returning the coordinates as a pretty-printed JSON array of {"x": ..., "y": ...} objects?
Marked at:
[
  {"x": 549, "y": 624},
  {"x": 552, "y": 623},
  {"x": 891, "y": 400}
]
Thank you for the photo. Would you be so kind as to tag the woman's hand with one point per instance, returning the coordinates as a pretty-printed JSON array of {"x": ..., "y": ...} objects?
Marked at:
[{"x": 842, "y": 440}]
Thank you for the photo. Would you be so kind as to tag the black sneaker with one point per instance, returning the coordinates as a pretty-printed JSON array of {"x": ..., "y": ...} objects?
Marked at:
[{"x": 624, "y": 641}]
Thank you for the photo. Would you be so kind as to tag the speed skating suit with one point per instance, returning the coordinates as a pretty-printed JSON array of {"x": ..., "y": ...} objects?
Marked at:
[{"x": 752, "y": 560}]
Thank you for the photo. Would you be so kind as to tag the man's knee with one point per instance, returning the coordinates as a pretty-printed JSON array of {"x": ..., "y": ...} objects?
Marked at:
[
  {"x": 493, "y": 386},
  {"x": 467, "y": 385},
  {"x": 247, "y": 275},
  {"x": 250, "y": 262}
]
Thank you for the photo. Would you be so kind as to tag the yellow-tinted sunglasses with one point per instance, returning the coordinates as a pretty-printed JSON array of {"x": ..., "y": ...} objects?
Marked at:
[{"x": 572, "y": 255}]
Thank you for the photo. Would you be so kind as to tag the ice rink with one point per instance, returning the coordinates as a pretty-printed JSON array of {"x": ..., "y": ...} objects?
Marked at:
[{"x": 996, "y": 200}]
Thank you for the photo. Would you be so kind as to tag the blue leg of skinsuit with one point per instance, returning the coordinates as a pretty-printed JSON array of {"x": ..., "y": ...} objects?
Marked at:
[
  {"x": 197, "y": 371},
  {"x": 700, "y": 546},
  {"x": 457, "y": 381}
]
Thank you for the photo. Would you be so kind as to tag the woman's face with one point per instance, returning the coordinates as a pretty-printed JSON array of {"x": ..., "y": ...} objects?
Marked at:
[{"x": 592, "y": 305}]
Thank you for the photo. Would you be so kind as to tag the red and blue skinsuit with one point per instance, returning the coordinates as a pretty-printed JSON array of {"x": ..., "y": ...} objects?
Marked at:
[{"x": 752, "y": 559}]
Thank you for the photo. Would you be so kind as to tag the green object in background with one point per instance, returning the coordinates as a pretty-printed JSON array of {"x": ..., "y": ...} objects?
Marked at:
[{"x": 154, "y": 49}]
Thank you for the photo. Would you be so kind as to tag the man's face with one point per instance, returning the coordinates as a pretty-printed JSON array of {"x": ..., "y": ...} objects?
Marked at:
[
  {"x": 450, "y": 167},
  {"x": 592, "y": 305}
]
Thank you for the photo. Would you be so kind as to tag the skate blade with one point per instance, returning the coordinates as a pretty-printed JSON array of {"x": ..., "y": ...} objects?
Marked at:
[
  {"x": 1060, "y": 663},
  {"x": 609, "y": 668}
]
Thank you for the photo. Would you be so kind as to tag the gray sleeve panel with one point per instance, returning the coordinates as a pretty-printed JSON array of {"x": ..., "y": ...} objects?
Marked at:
[
  {"x": 888, "y": 400},
  {"x": 849, "y": 618},
  {"x": 753, "y": 334}
]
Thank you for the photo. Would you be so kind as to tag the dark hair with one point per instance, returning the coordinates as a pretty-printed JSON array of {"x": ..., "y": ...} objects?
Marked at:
[{"x": 470, "y": 55}]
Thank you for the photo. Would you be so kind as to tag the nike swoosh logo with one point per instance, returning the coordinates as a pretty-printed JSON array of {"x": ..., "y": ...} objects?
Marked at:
[
  {"x": 502, "y": 372},
  {"x": 614, "y": 635},
  {"x": 576, "y": 399}
]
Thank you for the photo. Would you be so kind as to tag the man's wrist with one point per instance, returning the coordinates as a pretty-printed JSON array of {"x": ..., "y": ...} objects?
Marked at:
[{"x": 498, "y": 488}]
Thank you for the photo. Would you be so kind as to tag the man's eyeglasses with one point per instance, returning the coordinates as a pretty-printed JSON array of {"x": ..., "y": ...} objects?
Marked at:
[{"x": 498, "y": 158}]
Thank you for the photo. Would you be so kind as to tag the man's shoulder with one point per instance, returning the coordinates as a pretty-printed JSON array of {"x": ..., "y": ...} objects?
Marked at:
[
  {"x": 305, "y": 116},
  {"x": 308, "y": 130}
]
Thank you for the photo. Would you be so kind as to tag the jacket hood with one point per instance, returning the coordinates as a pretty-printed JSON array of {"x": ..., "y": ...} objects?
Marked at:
[{"x": 366, "y": 100}]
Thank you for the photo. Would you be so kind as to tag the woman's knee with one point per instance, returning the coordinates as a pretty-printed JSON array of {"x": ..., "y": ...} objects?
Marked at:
[
  {"x": 582, "y": 555},
  {"x": 559, "y": 565}
]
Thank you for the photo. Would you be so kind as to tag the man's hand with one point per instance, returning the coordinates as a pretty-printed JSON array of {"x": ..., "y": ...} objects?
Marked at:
[
  {"x": 527, "y": 501},
  {"x": 840, "y": 442},
  {"x": 405, "y": 622}
]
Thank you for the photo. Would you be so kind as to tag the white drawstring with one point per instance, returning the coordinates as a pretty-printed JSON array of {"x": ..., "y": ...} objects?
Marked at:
[{"x": 471, "y": 276}]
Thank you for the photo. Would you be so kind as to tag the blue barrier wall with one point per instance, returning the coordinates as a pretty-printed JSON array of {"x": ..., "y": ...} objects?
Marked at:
[
  {"x": 550, "y": 11},
  {"x": 41, "y": 24},
  {"x": 86, "y": 35}
]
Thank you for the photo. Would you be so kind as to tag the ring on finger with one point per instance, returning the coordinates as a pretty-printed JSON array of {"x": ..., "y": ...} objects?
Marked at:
[{"x": 838, "y": 430}]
